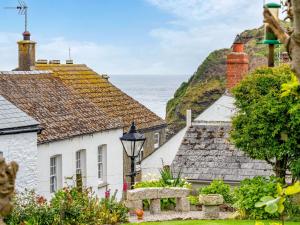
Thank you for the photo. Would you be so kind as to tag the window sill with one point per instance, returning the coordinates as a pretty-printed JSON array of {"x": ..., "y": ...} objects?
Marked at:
[{"x": 103, "y": 184}]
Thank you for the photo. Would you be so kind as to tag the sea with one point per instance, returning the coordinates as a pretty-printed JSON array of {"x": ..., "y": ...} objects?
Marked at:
[{"x": 153, "y": 91}]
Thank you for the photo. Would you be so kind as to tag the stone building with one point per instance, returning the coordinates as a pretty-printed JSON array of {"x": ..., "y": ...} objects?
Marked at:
[
  {"x": 82, "y": 115},
  {"x": 18, "y": 142}
]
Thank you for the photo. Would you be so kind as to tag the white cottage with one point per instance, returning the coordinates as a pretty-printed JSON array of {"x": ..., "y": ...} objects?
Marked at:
[
  {"x": 82, "y": 115},
  {"x": 18, "y": 142}
]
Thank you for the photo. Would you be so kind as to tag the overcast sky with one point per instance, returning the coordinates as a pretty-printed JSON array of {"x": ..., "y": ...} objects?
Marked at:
[{"x": 128, "y": 36}]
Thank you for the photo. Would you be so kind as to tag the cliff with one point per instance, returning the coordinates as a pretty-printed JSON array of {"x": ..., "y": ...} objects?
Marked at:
[{"x": 207, "y": 84}]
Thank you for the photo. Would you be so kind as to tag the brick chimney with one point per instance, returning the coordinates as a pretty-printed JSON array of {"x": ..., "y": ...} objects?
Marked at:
[
  {"x": 26, "y": 53},
  {"x": 237, "y": 63}
]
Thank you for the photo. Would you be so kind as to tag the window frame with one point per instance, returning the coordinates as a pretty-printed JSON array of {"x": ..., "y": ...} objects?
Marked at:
[
  {"x": 156, "y": 140},
  {"x": 53, "y": 174},
  {"x": 102, "y": 173}
]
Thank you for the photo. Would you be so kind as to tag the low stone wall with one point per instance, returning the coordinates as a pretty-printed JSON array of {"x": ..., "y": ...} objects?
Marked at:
[{"x": 135, "y": 198}]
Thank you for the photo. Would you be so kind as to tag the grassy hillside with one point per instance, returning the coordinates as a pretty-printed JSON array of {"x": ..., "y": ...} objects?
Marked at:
[{"x": 208, "y": 83}]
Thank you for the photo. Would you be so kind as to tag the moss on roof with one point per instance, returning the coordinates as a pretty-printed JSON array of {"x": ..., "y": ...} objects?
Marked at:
[{"x": 97, "y": 89}]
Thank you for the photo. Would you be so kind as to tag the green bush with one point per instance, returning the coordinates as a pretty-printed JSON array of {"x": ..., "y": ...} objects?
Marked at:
[
  {"x": 219, "y": 187},
  {"x": 68, "y": 206},
  {"x": 31, "y": 208},
  {"x": 250, "y": 192},
  {"x": 194, "y": 200}
]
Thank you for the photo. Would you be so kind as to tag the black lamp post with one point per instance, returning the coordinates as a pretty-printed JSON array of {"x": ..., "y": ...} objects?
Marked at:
[{"x": 133, "y": 143}]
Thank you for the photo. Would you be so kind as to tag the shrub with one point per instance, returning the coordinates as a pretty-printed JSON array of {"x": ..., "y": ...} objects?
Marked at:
[
  {"x": 250, "y": 192},
  {"x": 31, "y": 208},
  {"x": 219, "y": 187},
  {"x": 68, "y": 206}
]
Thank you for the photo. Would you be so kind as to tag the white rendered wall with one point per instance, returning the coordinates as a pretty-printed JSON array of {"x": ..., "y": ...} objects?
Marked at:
[
  {"x": 67, "y": 149},
  {"x": 166, "y": 154},
  {"x": 22, "y": 148}
]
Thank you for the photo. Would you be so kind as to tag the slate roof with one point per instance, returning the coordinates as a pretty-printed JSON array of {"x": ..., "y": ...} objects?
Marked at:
[
  {"x": 111, "y": 100},
  {"x": 12, "y": 118},
  {"x": 206, "y": 154},
  {"x": 61, "y": 111}
]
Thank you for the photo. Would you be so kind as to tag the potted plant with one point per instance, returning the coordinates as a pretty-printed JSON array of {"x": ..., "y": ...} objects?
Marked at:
[{"x": 140, "y": 214}]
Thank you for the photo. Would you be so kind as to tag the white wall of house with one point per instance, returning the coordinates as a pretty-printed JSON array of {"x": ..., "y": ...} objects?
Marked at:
[
  {"x": 163, "y": 155},
  {"x": 22, "y": 148},
  {"x": 66, "y": 162}
]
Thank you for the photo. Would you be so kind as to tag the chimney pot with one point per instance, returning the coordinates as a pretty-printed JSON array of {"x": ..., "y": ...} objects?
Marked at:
[
  {"x": 26, "y": 36},
  {"x": 69, "y": 61},
  {"x": 41, "y": 61},
  {"x": 54, "y": 61}
]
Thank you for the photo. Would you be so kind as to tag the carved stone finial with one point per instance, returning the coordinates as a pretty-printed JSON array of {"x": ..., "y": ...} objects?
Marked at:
[{"x": 8, "y": 174}]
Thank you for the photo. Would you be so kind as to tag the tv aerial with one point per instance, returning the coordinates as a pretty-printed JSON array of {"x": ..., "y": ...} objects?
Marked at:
[{"x": 22, "y": 10}]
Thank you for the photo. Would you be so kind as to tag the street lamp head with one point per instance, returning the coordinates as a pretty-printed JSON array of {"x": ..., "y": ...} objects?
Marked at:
[{"x": 133, "y": 141}]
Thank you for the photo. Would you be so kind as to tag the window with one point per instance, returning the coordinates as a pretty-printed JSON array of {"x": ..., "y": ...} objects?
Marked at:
[
  {"x": 78, "y": 162},
  {"x": 81, "y": 164},
  {"x": 55, "y": 173},
  {"x": 102, "y": 165},
  {"x": 156, "y": 140},
  {"x": 1, "y": 154}
]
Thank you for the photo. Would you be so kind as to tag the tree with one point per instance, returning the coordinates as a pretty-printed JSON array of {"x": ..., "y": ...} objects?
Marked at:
[
  {"x": 267, "y": 125},
  {"x": 291, "y": 37}
]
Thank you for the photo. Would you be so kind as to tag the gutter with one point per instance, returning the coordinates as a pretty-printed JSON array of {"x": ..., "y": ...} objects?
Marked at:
[{"x": 20, "y": 130}]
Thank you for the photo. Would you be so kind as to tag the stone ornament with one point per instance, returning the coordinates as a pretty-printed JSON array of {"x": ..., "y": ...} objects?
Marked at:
[
  {"x": 8, "y": 174},
  {"x": 135, "y": 198},
  {"x": 211, "y": 205}
]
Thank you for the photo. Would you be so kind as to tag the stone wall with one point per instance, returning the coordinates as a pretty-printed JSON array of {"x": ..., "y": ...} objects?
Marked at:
[
  {"x": 22, "y": 148},
  {"x": 206, "y": 154}
]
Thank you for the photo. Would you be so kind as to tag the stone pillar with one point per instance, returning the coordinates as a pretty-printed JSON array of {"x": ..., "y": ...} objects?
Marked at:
[
  {"x": 211, "y": 205},
  {"x": 26, "y": 53},
  {"x": 237, "y": 64},
  {"x": 155, "y": 206},
  {"x": 182, "y": 204}
]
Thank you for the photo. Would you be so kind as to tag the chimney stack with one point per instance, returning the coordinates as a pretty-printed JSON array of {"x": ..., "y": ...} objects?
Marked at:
[
  {"x": 26, "y": 53},
  {"x": 237, "y": 63}
]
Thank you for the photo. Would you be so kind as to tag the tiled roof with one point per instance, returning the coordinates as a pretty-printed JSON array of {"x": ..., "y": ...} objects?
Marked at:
[
  {"x": 61, "y": 111},
  {"x": 12, "y": 117},
  {"x": 111, "y": 100}
]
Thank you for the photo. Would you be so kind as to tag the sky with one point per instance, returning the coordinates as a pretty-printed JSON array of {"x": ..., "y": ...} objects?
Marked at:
[{"x": 136, "y": 37}]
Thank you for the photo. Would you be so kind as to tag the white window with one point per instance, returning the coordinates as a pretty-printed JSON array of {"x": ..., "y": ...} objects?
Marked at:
[
  {"x": 156, "y": 140},
  {"x": 102, "y": 162},
  {"x": 55, "y": 173},
  {"x": 81, "y": 164}
]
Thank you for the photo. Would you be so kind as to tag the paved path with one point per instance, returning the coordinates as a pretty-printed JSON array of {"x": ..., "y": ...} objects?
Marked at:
[{"x": 172, "y": 215}]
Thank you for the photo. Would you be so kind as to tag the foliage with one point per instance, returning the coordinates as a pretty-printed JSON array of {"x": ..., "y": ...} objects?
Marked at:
[
  {"x": 194, "y": 200},
  {"x": 31, "y": 208},
  {"x": 68, "y": 206},
  {"x": 167, "y": 179},
  {"x": 266, "y": 127},
  {"x": 250, "y": 192},
  {"x": 219, "y": 187},
  {"x": 275, "y": 204}
]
